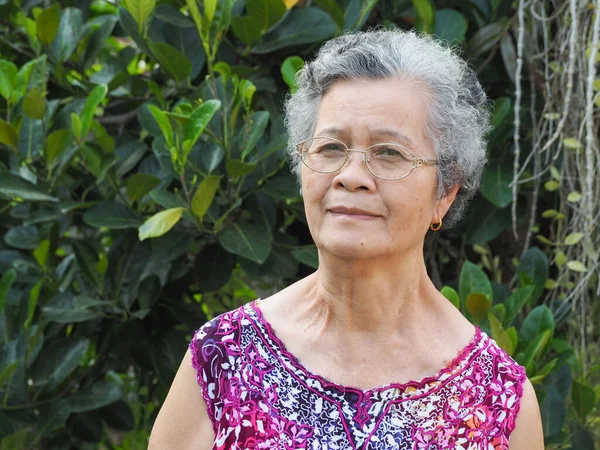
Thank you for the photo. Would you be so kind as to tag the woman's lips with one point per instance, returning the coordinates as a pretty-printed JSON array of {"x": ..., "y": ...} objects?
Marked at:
[{"x": 352, "y": 213}]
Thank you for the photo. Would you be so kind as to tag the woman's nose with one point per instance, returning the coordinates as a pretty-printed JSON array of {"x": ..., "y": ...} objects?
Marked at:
[{"x": 354, "y": 174}]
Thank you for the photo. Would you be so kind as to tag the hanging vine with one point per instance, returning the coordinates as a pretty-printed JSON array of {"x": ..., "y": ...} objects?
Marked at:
[{"x": 558, "y": 44}]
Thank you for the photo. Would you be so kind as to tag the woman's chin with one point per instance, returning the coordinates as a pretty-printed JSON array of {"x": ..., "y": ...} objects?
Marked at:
[{"x": 350, "y": 245}]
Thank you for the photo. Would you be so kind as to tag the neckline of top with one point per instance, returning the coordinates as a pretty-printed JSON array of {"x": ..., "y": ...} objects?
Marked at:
[{"x": 405, "y": 389}]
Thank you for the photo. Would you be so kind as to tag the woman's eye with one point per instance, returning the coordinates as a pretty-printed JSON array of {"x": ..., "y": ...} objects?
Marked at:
[
  {"x": 332, "y": 148},
  {"x": 390, "y": 153}
]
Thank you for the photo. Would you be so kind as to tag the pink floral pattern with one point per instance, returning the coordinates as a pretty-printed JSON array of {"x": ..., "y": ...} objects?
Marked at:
[{"x": 259, "y": 396}]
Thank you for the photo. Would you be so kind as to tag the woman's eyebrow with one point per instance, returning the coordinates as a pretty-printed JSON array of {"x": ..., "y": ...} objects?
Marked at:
[
  {"x": 331, "y": 130},
  {"x": 379, "y": 133},
  {"x": 397, "y": 135}
]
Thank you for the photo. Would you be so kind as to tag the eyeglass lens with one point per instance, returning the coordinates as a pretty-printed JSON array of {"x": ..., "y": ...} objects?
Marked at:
[{"x": 384, "y": 160}]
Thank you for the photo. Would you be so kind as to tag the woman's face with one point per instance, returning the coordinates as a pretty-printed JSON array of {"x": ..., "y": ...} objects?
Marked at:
[{"x": 351, "y": 213}]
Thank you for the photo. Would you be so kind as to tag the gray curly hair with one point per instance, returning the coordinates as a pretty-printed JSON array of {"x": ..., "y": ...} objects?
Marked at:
[{"x": 459, "y": 108}]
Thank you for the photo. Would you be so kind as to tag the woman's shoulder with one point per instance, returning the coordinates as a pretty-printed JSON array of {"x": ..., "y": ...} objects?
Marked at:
[
  {"x": 223, "y": 324},
  {"x": 501, "y": 361},
  {"x": 224, "y": 330}
]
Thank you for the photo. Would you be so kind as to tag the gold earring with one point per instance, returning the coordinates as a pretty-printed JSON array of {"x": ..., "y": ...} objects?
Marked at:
[{"x": 436, "y": 227}]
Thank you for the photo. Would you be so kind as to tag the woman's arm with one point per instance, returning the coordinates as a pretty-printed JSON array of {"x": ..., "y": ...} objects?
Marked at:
[
  {"x": 528, "y": 434},
  {"x": 183, "y": 421}
]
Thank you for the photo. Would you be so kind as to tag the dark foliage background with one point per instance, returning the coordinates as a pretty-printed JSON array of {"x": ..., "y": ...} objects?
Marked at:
[{"x": 144, "y": 189}]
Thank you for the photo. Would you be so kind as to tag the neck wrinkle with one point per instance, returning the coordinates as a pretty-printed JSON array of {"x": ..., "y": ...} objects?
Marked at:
[{"x": 372, "y": 297}]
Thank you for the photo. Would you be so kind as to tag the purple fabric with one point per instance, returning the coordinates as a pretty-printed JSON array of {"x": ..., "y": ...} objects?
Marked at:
[{"x": 259, "y": 396}]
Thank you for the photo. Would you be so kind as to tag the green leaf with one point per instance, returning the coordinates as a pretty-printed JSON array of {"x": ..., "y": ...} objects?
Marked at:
[
  {"x": 246, "y": 29},
  {"x": 502, "y": 107},
  {"x": 545, "y": 370},
  {"x": 573, "y": 238},
  {"x": 534, "y": 349},
  {"x": 31, "y": 138},
  {"x": 166, "y": 199},
  {"x": 34, "y": 103},
  {"x": 67, "y": 37},
  {"x": 253, "y": 131},
  {"x": 8, "y": 79},
  {"x": 47, "y": 23},
  {"x": 76, "y": 126},
  {"x": 500, "y": 335},
  {"x": 509, "y": 55},
  {"x": 539, "y": 320},
  {"x": 41, "y": 252},
  {"x": 96, "y": 96},
  {"x": 495, "y": 184},
  {"x": 425, "y": 20},
  {"x": 247, "y": 240},
  {"x": 577, "y": 266},
  {"x": 301, "y": 26},
  {"x": 290, "y": 67},
  {"x": 486, "y": 38},
  {"x": 474, "y": 280},
  {"x": 96, "y": 396},
  {"x": 307, "y": 255},
  {"x": 164, "y": 123},
  {"x": 574, "y": 196},
  {"x": 516, "y": 301},
  {"x": 499, "y": 311},
  {"x": 58, "y": 360},
  {"x": 102, "y": 28},
  {"x": 140, "y": 184},
  {"x": 34, "y": 295},
  {"x": 584, "y": 399},
  {"x": 12, "y": 186},
  {"x": 553, "y": 410},
  {"x": 8, "y": 278},
  {"x": 211, "y": 156},
  {"x": 160, "y": 223},
  {"x": 111, "y": 214},
  {"x": 236, "y": 168},
  {"x": 551, "y": 185},
  {"x": 266, "y": 12},
  {"x": 5, "y": 375},
  {"x": 487, "y": 223},
  {"x": 478, "y": 305},
  {"x": 57, "y": 142},
  {"x": 68, "y": 308},
  {"x": 204, "y": 195},
  {"x": 131, "y": 27},
  {"x": 140, "y": 10},
  {"x": 283, "y": 187},
  {"x": 334, "y": 10},
  {"x": 87, "y": 260},
  {"x": 118, "y": 416},
  {"x": 450, "y": 25},
  {"x": 32, "y": 74},
  {"x": 198, "y": 121},
  {"x": 533, "y": 270},
  {"x": 195, "y": 13},
  {"x": 171, "y": 60},
  {"x": 451, "y": 295},
  {"x": 584, "y": 438},
  {"x": 8, "y": 134},
  {"x": 571, "y": 143},
  {"x": 24, "y": 238}
]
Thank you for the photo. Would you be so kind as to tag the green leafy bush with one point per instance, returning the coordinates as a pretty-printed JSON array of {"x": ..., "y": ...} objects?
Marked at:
[{"x": 144, "y": 189}]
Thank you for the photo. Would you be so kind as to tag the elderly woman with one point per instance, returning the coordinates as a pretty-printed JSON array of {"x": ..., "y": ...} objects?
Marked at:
[{"x": 387, "y": 133}]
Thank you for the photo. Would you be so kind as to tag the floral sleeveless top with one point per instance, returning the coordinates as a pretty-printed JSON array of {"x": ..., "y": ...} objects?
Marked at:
[{"x": 259, "y": 396}]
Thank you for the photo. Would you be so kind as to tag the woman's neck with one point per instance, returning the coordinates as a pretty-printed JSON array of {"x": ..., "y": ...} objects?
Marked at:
[{"x": 368, "y": 296}]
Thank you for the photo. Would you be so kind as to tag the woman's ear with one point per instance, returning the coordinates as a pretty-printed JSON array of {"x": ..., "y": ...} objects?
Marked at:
[{"x": 443, "y": 204}]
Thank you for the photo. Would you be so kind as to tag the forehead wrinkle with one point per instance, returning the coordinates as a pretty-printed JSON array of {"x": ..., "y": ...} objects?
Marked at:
[
  {"x": 380, "y": 133},
  {"x": 395, "y": 134}
]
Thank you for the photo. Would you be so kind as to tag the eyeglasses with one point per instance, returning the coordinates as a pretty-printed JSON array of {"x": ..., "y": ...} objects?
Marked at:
[{"x": 385, "y": 161}]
